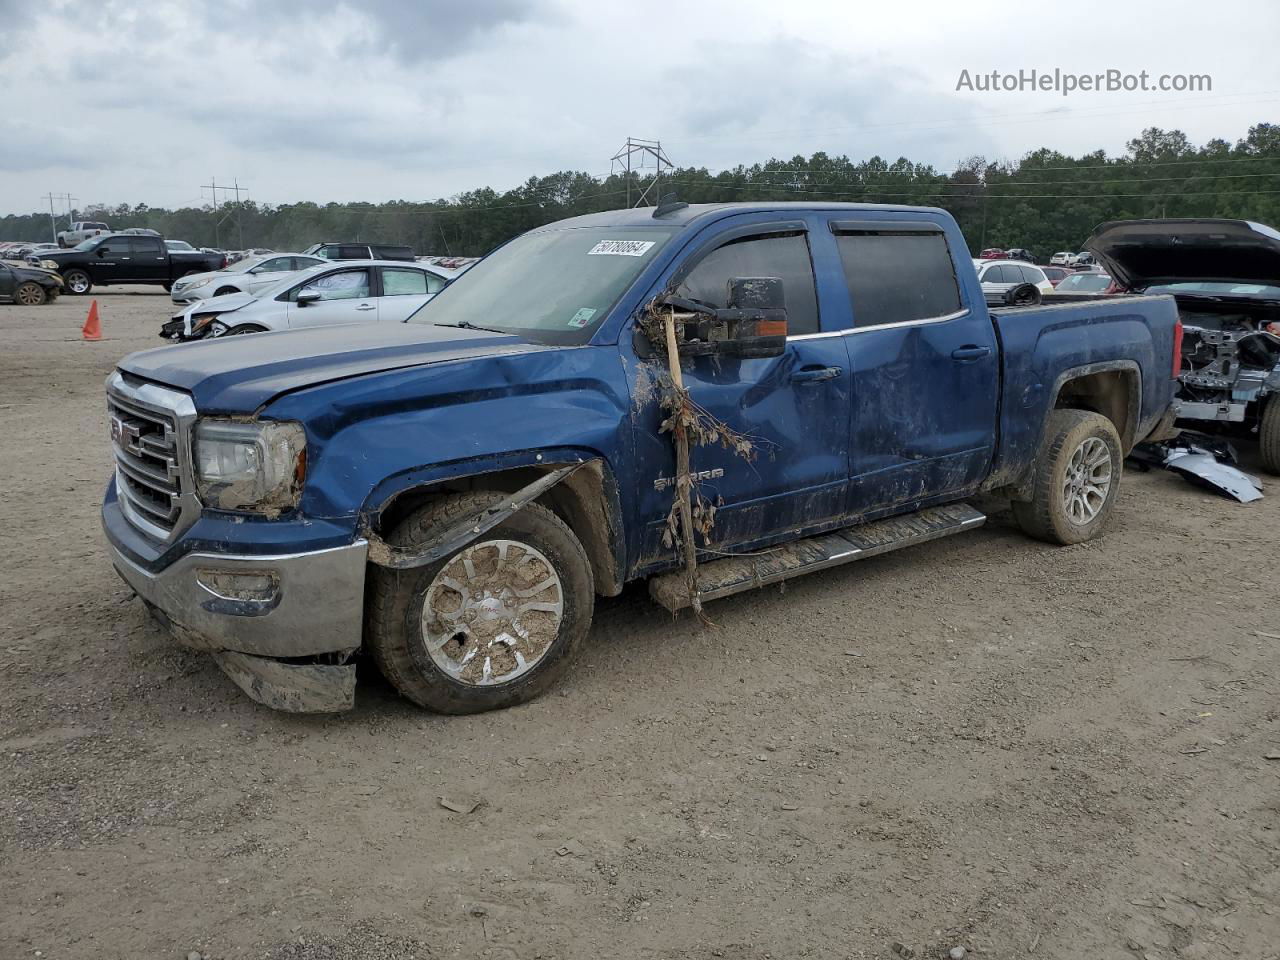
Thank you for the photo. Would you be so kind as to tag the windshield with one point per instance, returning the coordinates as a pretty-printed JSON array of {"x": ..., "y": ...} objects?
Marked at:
[
  {"x": 553, "y": 286},
  {"x": 243, "y": 266},
  {"x": 1261, "y": 291}
]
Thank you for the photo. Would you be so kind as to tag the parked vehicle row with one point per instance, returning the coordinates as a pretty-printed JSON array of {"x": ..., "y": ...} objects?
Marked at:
[{"x": 128, "y": 258}]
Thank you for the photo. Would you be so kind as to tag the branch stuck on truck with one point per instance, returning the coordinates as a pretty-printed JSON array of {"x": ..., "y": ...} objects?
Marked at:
[{"x": 450, "y": 494}]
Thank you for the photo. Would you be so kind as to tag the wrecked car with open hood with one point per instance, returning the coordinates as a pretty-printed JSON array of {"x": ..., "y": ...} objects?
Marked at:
[{"x": 1225, "y": 275}]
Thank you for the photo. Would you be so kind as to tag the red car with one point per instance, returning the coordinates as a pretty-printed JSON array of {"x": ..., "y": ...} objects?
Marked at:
[
  {"x": 1055, "y": 274},
  {"x": 993, "y": 253}
]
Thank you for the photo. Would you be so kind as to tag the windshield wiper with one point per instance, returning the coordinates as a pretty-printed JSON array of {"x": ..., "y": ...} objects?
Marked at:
[{"x": 468, "y": 325}]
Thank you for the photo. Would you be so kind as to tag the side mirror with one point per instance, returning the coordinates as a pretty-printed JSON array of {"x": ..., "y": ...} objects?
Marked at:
[
  {"x": 308, "y": 297},
  {"x": 102, "y": 251},
  {"x": 752, "y": 326}
]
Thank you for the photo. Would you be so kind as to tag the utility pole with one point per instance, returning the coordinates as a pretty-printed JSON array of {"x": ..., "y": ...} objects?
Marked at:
[
  {"x": 66, "y": 199},
  {"x": 213, "y": 188},
  {"x": 641, "y": 151}
]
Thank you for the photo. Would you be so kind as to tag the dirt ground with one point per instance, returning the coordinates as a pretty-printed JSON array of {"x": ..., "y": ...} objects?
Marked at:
[{"x": 982, "y": 742}]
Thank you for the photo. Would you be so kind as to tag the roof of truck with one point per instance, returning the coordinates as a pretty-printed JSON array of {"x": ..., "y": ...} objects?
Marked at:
[{"x": 683, "y": 216}]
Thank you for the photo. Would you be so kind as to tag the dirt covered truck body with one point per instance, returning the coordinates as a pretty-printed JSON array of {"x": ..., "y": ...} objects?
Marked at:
[{"x": 444, "y": 492}]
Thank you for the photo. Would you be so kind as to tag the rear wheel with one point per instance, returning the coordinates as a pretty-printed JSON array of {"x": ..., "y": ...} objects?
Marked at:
[
  {"x": 492, "y": 625},
  {"x": 1269, "y": 434},
  {"x": 30, "y": 294},
  {"x": 78, "y": 282},
  {"x": 1077, "y": 474}
]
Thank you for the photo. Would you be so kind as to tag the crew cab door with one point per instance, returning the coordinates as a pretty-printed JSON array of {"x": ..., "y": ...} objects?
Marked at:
[
  {"x": 925, "y": 364},
  {"x": 345, "y": 297},
  {"x": 111, "y": 261},
  {"x": 794, "y": 409},
  {"x": 149, "y": 259},
  {"x": 404, "y": 290}
]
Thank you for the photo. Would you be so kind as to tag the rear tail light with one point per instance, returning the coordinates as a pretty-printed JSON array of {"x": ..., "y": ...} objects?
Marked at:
[{"x": 1177, "y": 348}]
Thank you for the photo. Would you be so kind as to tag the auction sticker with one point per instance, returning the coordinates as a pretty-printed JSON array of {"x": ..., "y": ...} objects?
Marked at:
[
  {"x": 620, "y": 248},
  {"x": 582, "y": 317}
]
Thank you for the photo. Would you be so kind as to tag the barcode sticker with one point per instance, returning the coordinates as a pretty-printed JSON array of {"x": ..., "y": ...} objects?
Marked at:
[{"x": 620, "y": 248}]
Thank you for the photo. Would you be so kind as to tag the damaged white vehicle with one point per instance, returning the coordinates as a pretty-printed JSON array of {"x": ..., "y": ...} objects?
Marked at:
[
  {"x": 250, "y": 275},
  {"x": 1225, "y": 275}
]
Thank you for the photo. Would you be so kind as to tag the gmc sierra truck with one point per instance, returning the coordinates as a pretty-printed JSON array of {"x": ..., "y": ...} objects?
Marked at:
[
  {"x": 128, "y": 258},
  {"x": 449, "y": 494}
]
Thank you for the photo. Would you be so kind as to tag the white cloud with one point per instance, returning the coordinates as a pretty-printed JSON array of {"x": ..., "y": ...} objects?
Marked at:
[{"x": 346, "y": 100}]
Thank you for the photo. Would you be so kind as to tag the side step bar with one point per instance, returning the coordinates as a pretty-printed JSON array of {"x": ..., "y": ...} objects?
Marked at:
[{"x": 721, "y": 578}]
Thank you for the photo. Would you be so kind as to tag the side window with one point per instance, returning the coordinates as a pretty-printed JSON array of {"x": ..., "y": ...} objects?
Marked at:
[
  {"x": 898, "y": 277},
  {"x": 329, "y": 251},
  {"x": 399, "y": 283},
  {"x": 782, "y": 255},
  {"x": 144, "y": 247},
  {"x": 347, "y": 285},
  {"x": 353, "y": 252},
  {"x": 1031, "y": 275},
  {"x": 275, "y": 265},
  {"x": 301, "y": 263},
  {"x": 115, "y": 247}
]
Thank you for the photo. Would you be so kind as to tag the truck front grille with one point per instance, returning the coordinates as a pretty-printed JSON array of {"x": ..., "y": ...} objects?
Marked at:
[{"x": 149, "y": 427}]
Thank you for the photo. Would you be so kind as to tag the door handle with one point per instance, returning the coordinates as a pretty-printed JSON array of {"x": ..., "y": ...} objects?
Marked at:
[
  {"x": 816, "y": 374},
  {"x": 970, "y": 352},
  {"x": 367, "y": 306}
]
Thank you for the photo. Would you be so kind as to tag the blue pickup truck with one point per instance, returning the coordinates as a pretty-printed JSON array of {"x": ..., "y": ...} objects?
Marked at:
[{"x": 451, "y": 493}]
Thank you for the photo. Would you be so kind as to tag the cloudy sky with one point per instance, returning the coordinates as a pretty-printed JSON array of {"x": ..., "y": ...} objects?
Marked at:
[{"x": 116, "y": 101}]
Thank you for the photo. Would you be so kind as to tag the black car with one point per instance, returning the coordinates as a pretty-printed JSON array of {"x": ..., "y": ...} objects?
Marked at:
[
  {"x": 28, "y": 286},
  {"x": 1020, "y": 253},
  {"x": 128, "y": 258}
]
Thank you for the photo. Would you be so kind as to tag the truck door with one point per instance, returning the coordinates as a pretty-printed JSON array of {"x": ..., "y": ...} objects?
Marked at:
[
  {"x": 794, "y": 409},
  {"x": 925, "y": 366},
  {"x": 149, "y": 259},
  {"x": 111, "y": 261}
]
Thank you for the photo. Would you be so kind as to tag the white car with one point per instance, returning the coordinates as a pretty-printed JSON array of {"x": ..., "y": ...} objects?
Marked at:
[
  {"x": 250, "y": 275},
  {"x": 1061, "y": 258},
  {"x": 386, "y": 291},
  {"x": 999, "y": 276}
]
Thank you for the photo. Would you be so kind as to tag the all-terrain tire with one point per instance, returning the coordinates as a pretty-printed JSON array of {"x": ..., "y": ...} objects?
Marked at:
[
  {"x": 1052, "y": 514},
  {"x": 395, "y": 630},
  {"x": 1269, "y": 434},
  {"x": 76, "y": 278}
]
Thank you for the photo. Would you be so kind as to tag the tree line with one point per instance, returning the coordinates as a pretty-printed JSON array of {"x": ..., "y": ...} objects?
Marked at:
[{"x": 1046, "y": 201}]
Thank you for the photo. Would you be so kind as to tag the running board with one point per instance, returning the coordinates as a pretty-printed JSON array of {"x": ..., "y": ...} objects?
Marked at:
[{"x": 722, "y": 578}]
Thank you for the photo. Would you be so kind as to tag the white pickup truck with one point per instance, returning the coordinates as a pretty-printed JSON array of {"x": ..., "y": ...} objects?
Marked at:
[{"x": 80, "y": 231}]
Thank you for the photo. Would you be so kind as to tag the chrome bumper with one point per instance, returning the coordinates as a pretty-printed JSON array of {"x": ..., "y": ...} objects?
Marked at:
[{"x": 261, "y": 609}]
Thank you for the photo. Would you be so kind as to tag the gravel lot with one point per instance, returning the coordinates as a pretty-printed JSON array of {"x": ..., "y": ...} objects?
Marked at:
[{"x": 982, "y": 742}]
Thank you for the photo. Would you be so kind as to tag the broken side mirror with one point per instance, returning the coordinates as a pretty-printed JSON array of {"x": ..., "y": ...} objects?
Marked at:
[{"x": 752, "y": 325}]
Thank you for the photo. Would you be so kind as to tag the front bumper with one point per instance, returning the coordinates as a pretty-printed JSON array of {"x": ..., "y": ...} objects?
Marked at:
[{"x": 253, "y": 612}]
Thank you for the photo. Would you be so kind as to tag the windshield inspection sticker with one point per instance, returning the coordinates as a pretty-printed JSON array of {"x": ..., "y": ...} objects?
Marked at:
[
  {"x": 582, "y": 317},
  {"x": 620, "y": 248}
]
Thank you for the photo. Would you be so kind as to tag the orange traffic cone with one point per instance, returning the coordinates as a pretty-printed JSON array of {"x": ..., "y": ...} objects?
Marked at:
[{"x": 92, "y": 327}]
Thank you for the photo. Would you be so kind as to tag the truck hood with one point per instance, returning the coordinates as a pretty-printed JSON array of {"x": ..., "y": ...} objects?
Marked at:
[
  {"x": 241, "y": 374},
  {"x": 1146, "y": 253}
]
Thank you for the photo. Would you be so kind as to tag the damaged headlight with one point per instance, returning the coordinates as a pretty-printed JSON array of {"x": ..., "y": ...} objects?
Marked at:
[
  {"x": 250, "y": 466},
  {"x": 199, "y": 321}
]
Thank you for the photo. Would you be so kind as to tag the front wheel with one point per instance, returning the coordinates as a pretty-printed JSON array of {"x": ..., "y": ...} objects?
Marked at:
[
  {"x": 30, "y": 294},
  {"x": 1077, "y": 474},
  {"x": 492, "y": 625},
  {"x": 78, "y": 282},
  {"x": 1269, "y": 434}
]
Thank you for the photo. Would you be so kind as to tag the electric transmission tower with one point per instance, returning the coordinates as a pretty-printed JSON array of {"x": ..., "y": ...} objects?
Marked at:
[
  {"x": 213, "y": 188},
  {"x": 642, "y": 160}
]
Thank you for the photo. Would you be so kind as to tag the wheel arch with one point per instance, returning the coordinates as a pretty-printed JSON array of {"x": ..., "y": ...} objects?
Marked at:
[
  {"x": 587, "y": 501},
  {"x": 1112, "y": 388}
]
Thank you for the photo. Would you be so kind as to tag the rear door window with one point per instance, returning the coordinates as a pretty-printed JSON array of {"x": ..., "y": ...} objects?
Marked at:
[
  {"x": 144, "y": 246},
  {"x": 898, "y": 276},
  {"x": 401, "y": 283},
  {"x": 778, "y": 255}
]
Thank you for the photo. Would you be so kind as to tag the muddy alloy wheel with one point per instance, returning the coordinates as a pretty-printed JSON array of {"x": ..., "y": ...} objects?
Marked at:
[
  {"x": 494, "y": 624},
  {"x": 492, "y": 612},
  {"x": 77, "y": 281},
  {"x": 1077, "y": 474},
  {"x": 30, "y": 294}
]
